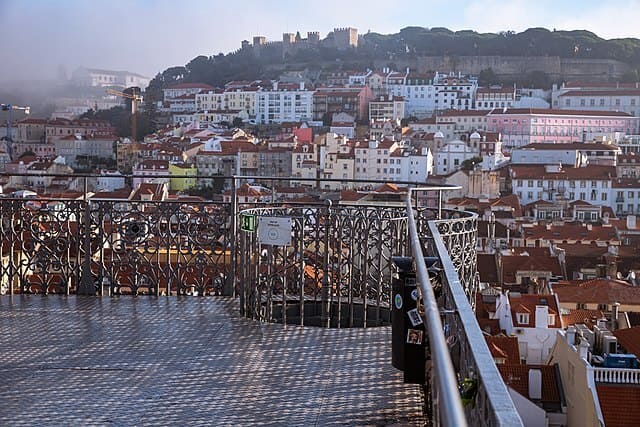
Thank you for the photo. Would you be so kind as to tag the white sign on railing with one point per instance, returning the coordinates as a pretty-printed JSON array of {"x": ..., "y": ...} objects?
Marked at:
[{"x": 274, "y": 231}]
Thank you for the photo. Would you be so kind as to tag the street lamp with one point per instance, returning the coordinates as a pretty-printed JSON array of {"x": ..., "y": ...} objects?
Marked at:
[{"x": 9, "y": 108}]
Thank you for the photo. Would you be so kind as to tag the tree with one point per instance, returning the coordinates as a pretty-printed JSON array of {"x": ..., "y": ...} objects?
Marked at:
[
  {"x": 468, "y": 164},
  {"x": 488, "y": 77},
  {"x": 237, "y": 122}
]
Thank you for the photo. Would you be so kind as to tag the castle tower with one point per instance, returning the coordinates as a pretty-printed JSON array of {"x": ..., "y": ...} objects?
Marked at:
[
  {"x": 313, "y": 38},
  {"x": 345, "y": 38}
]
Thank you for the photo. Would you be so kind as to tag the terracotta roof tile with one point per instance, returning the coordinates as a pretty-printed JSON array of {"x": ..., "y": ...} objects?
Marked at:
[
  {"x": 598, "y": 291},
  {"x": 577, "y": 316},
  {"x": 620, "y": 404},
  {"x": 629, "y": 339},
  {"x": 504, "y": 347},
  {"x": 517, "y": 377}
]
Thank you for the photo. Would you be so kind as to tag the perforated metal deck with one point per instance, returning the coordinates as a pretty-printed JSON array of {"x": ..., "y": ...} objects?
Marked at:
[{"x": 189, "y": 361}]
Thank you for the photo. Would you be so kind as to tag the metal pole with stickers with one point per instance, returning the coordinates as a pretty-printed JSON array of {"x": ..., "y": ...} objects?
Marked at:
[{"x": 408, "y": 333}]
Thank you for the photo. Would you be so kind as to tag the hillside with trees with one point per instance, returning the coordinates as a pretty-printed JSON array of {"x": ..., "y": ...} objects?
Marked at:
[{"x": 409, "y": 43}]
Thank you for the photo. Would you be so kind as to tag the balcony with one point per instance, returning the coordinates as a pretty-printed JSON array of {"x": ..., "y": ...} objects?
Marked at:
[{"x": 252, "y": 327}]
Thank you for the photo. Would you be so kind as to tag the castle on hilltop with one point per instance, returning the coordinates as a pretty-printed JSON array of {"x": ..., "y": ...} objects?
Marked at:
[{"x": 339, "y": 38}]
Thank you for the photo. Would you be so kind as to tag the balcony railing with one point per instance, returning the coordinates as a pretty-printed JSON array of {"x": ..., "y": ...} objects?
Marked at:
[
  {"x": 335, "y": 271},
  {"x": 616, "y": 375}
]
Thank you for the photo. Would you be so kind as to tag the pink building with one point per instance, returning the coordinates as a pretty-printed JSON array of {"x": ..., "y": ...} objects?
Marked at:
[{"x": 523, "y": 126}]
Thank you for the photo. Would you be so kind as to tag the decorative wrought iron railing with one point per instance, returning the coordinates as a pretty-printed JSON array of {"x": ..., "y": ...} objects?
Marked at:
[
  {"x": 110, "y": 248},
  {"x": 336, "y": 271}
]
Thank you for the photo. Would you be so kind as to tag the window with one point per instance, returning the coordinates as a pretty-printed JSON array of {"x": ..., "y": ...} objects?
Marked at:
[
  {"x": 530, "y": 183},
  {"x": 581, "y": 306},
  {"x": 603, "y": 307},
  {"x": 594, "y": 184},
  {"x": 604, "y": 197},
  {"x": 551, "y": 319},
  {"x": 523, "y": 318}
]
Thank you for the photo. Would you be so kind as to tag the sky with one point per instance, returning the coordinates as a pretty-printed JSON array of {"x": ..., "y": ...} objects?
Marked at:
[{"x": 147, "y": 36}]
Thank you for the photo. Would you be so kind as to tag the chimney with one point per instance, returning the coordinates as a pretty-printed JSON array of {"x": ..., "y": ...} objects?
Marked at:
[
  {"x": 583, "y": 349},
  {"x": 542, "y": 316},
  {"x": 571, "y": 335},
  {"x": 301, "y": 85},
  {"x": 631, "y": 222},
  {"x": 535, "y": 384},
  {"x": 615, "y": 313}
]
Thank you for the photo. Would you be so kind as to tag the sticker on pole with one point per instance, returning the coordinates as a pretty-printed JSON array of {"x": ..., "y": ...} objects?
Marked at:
[
  {"x": 398, "y": 301},
  {"x": 274, "y": 231}
]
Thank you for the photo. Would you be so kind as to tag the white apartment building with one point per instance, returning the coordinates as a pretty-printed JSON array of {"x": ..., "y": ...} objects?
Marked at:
[
  {"x": 101, "y": 78},
  {"x": 426, "y": 93},
  {"x": 284, "y": 103},
  {"x": 452, "y": 154},
  {"x": 575, "y": 154},
  {"x": 372, "y": 159},
  {"x": 180, "y": 89},
  {"x": 558, "y": 183},
  {"x": 623, "y": 97},
  {"x": 406, "y": 164},
  {"x": 386, "y": 107},
  {"x": 336, "y": 160},
  {"x": 235, "y": 99}
]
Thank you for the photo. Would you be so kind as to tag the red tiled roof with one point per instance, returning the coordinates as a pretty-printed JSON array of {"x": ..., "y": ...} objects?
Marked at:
[
  {"x": 517, "y": 377},
  {"x": 487, "y": 268},
  {"x": 576, "y": 316},
  {"x": 629, "y": 339},
  {"x": 620, "y": 92},
  {"x": 526, "y": 303},
  {"x": 594, "y": 146},
  {"x": 504, "y": 347},
  {"x": 598, "y": 291},
  {"x": 620, "y": 404},
  {"x": 550, "y": 112},
  {"x": 595, "y": 172},
  {"x": 191, "y": 86}
]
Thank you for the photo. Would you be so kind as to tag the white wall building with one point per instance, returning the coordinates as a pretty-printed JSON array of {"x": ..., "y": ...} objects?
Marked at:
[
  {"x": 101, "y": 78},
  {"x": 450, "y": 157},
  {"x": 284, "y": 103}
]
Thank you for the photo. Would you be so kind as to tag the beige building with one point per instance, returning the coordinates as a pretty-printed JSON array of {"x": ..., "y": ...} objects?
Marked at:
[{"x": 337, "y": 160}]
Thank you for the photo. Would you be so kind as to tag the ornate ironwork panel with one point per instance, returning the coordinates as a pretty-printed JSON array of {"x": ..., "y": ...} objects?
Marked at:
[
  {"x": 336, "y": 272},
  {"x": 115, "y": 247},
  {"x": 41, "y": 245}
]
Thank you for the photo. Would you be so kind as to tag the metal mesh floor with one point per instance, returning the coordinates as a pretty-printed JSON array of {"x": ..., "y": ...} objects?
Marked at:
[{"x": 189, "y": 361}]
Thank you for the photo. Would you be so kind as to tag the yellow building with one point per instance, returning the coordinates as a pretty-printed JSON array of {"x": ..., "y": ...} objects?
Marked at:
[{"x": 181, "y": 184}]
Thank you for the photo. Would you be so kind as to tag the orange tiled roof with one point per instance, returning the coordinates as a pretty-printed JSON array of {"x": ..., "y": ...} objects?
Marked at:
[
  {"x": 598, "y": 291},
  {"x": 576, "y": 316},
  {"x": 504, "y": 347},
  {"x": 629, "y": 339},
  {"x": 517, "y": 377},
  {"x": 620, "y": 404}
]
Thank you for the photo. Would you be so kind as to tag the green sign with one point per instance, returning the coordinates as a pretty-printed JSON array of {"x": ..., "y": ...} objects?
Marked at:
[{"x": 248, "y": 223}]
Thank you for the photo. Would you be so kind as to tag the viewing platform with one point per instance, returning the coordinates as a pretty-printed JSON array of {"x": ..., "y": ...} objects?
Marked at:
[
  {"x": 238, "y": 312},
  {"x": 74, "y": 360}
]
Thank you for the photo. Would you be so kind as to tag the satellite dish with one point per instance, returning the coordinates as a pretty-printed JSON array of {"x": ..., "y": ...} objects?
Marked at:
[
  {"x": 618, "y": 275},
  {"x": 632, "y": 275}
]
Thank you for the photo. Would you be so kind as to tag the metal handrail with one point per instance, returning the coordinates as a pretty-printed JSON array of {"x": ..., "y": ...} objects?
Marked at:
[
  {"x": 448, "y": 394},
  {"x": 504, "y": 412}
]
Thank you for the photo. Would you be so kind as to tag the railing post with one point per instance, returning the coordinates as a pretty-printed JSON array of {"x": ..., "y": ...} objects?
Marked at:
[
  {"x": 86, "y": 286},
  {"x": 325, "y": 316},
  {"x": 231, "y": 280}
]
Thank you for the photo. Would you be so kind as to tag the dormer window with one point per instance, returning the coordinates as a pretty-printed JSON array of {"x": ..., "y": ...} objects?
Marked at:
[
  {"x": 523, "y": 318},
  {"x": 551, "y": 319}
]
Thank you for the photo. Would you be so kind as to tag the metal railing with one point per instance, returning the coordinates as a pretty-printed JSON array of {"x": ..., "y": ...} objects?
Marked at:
[
  {"x": 458, "y": 349},
  {"x": 336, "y": 272}
]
